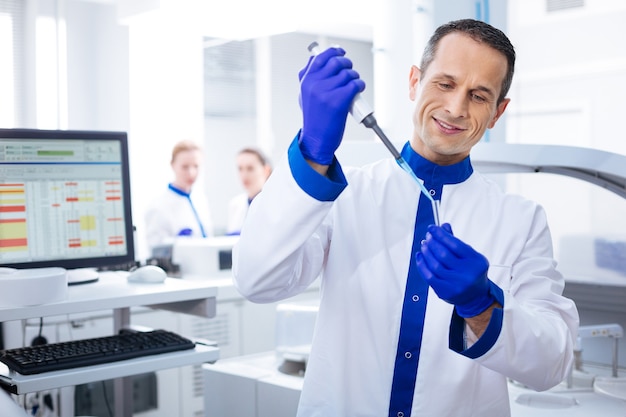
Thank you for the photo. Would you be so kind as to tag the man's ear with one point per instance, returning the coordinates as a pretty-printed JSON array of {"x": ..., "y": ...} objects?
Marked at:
[
  {"x": 499, "y": 111},
  {"x": 414, "y": 76}
]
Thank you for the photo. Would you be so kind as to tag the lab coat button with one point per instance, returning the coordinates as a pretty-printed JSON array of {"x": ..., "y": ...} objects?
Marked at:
[
  {"x": 407, "y": 355},
  {"x": 415, "y": 298},
  {"x": 400, "y": 414},
  {"x": 432, "y": 192}
]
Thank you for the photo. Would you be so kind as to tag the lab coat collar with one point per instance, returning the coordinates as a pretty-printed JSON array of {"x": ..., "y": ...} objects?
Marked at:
[
  {"x": 432, "y": 173},
  {"x": 178, "y": 191}
]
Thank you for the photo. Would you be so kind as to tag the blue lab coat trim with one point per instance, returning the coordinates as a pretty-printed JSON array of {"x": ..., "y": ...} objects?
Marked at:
[
  {"x": 489, "y": 337},
  {"x": 320, "y": 187},
  {"x": 432, "y": 173},
  {"x": 414, "y": 312},
  {"x": 411, "y": 322},
  {"x": 178, "y": 191},
  {"x": 188, "y": 196}
]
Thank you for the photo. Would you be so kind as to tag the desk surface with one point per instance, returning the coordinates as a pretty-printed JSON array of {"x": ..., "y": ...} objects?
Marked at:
[{"x": 113, "y": 291}]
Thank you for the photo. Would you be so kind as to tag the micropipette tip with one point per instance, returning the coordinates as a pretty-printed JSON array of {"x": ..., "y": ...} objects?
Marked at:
[
  {"x": 403, "y": 164},
  {"x": 435, "y": 204}
]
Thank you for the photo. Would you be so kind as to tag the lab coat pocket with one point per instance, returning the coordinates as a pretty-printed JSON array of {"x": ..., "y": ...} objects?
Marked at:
[{"x": 501, "y": 276}]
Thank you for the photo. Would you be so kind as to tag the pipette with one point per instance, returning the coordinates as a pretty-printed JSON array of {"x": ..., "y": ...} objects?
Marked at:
[{"x": 363, "y": 113}]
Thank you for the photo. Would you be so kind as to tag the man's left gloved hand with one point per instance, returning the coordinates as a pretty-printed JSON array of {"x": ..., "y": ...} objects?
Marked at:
[{"x": 455, "y": 271}]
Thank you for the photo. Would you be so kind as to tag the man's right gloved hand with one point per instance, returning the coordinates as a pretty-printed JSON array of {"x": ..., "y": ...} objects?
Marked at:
[{"x": 328, "y": 84}]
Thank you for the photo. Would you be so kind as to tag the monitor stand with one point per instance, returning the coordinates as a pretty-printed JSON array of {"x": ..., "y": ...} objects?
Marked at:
[{"x": 81, "y": 276}]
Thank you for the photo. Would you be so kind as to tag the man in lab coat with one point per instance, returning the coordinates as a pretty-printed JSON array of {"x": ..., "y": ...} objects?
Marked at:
[{"x": 414, "y": 319}]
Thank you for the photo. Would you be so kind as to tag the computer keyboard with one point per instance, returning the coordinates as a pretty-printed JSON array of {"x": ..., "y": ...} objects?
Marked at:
[{"x": 66, "y": 355}]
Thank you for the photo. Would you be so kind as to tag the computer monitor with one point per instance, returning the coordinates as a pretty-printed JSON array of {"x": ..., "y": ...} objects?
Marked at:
[{"x": 65, "y": 201}]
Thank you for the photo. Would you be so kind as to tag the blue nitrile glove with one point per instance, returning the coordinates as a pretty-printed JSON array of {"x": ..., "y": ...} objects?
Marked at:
[
  {"x": 455, "y": 271},
  {"x": 328, "y": 84}
]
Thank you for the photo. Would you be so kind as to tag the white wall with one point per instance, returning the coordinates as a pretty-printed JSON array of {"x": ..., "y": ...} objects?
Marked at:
[
  {"x": 165, "y": 90},
  {"x": 97, "y": 67},
  {"x": 568, "y": 90},
  {"x": 138, "y": 73}
]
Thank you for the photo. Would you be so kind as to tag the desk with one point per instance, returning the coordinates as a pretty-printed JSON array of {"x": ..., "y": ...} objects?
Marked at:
[{"x": 112, "y": 291}]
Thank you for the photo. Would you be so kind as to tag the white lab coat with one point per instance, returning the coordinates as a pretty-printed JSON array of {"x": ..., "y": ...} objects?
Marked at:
[
  {"x": 237, "y": 211},
  {"x": 361, "y": 244},
  {"x": 171, "y": 212}
]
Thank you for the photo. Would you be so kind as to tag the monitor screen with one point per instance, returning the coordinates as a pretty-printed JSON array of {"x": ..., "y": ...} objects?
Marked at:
[{"x": 64, "y": 199}]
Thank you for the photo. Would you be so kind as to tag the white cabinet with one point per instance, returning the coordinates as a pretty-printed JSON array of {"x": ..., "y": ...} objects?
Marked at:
[{"x": 239, "y": 328}]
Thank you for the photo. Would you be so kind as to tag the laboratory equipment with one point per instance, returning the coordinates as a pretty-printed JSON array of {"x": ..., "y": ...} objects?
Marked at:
[
  {"x": 612, "y": 331},
  {"x": 205, "y": 258},
  {"x": 88, "y": 352},
  {"x": 250, "y": 385},
  {"x": 295, "y": 324},
  {"x": 70, "y": 200},
  {"x": 267, "y": 383},
  {"x": 363, "y": 113}
]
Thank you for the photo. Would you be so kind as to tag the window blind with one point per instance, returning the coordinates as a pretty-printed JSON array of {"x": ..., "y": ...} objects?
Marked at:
[{"x": 229, "y": 79}]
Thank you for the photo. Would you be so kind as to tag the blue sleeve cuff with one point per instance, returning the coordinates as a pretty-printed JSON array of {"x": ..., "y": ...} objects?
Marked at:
[
  {"x": 488, "y": 338},
  {"x": 320, "y": 187}
]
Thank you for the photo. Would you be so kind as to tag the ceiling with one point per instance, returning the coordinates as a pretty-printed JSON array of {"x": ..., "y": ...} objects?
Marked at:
[{"x": 244, "y": 19}]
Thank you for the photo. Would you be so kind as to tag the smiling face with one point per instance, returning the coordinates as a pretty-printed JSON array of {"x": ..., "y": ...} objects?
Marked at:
[{"x": 456, "y": 98}]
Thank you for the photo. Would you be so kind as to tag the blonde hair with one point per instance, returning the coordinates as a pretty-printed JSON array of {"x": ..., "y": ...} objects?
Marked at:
[{"x": 184, "y": 146}]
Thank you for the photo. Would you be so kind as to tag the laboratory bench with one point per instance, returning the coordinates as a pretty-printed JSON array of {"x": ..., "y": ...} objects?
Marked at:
[
  {"x": 254, "y": 385},
  {"x": 594, "y": 393}
]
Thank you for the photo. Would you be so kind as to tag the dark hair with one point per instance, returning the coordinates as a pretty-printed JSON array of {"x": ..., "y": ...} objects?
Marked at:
[
  {"x": 480, "y": 32},
  {"x": 257, "y": 152}
]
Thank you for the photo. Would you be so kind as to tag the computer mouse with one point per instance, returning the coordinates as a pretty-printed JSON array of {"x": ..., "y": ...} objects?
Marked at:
[{"x": 150, "y": 274}]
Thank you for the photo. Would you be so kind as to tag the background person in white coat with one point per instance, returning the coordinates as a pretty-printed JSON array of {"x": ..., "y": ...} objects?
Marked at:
[
  {"x": 177, "y": 212},
  {"x": 254, "y": 168},
  {"x": 414, "y": 319}
]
